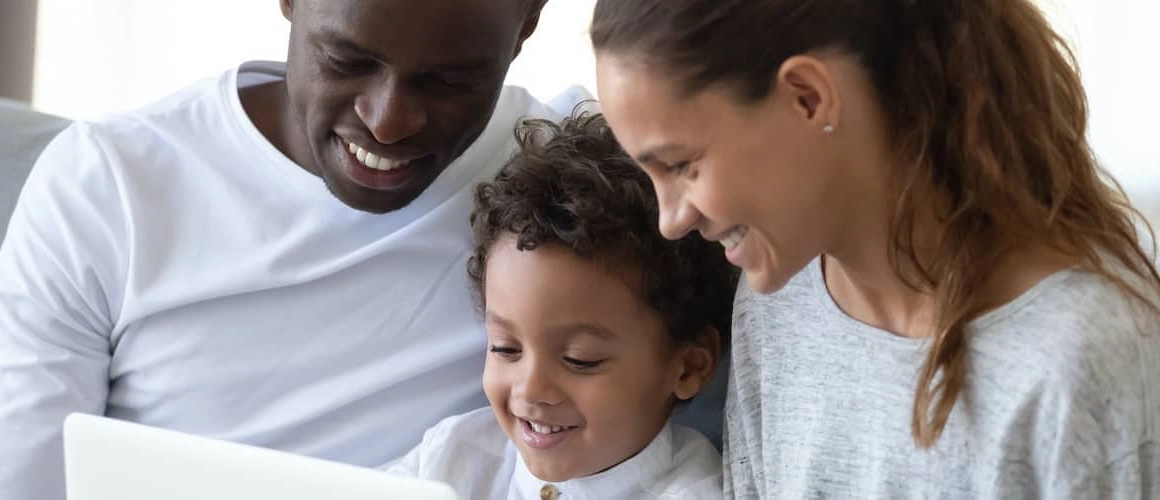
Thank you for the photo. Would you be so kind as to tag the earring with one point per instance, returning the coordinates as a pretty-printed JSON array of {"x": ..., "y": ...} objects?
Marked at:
[{"x": 829, "y": 129}]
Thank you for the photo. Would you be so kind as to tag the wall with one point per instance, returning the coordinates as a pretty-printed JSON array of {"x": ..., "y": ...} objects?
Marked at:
[{"x": 97, "y": 57}]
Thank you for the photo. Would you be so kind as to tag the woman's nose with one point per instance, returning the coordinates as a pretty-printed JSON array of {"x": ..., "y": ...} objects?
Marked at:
[{"x": 677, "y": 215}]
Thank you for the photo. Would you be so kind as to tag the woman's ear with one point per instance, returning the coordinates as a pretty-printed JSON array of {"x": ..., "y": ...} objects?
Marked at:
[
  {"x": 697, "y": 362},
  {"x": 813, "y": 90}
]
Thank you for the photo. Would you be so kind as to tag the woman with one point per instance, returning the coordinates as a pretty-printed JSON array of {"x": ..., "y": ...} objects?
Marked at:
[{"x": 963, "y": 307}]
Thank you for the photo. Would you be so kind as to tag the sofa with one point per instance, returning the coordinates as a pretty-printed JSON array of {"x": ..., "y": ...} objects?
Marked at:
[{"x": 23, "y": 134}]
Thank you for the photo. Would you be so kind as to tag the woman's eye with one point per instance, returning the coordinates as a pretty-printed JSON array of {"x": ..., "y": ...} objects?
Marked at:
[{"x": 678, "y": 168}]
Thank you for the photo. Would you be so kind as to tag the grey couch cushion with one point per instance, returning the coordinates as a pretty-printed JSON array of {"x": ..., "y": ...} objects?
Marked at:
[{"x": 23, "y": 135}]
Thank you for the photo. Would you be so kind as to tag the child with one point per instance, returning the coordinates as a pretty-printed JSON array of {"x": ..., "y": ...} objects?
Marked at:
[{"x": 597, "y": 328}]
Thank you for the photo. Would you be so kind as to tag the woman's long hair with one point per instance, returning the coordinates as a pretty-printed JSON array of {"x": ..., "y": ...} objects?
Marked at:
[{"x": 988, "y": 117}]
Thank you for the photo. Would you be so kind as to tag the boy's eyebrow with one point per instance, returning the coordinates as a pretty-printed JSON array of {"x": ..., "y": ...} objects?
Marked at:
[
  {"x": 492, "y": 317},
  {"x": 594, "y": 329},
  {"x": 570, "y": 330}
]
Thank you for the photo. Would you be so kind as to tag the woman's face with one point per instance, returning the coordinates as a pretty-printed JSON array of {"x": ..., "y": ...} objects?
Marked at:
[{"x": 757, "y": 177}]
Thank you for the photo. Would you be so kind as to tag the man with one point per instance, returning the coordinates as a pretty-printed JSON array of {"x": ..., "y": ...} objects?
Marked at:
[{"x": 274, "y": 257}]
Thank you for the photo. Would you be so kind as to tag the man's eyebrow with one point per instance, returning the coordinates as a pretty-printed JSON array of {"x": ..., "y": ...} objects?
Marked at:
[
  {"x": 334, "y": 38},
  {"x": 468, "y": 65}
]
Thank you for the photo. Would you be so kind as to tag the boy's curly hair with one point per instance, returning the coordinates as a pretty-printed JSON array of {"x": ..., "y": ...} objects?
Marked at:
[{"x": 571, "y": 184}]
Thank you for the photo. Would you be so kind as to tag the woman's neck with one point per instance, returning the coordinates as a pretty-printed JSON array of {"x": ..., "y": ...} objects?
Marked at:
[{"x": 863, "y": 282}]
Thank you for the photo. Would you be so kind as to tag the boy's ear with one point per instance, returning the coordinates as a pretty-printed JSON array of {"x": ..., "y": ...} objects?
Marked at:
[{"x": 698, "y": 362}]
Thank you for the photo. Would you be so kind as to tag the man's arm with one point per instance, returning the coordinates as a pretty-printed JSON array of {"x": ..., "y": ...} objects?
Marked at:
[{"x": 60, "y": 287}]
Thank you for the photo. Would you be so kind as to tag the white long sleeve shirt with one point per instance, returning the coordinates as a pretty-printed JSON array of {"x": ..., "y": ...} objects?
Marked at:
[{"x": 172, "y": 267}]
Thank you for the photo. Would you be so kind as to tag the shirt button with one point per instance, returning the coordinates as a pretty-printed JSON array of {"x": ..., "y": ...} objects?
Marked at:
[{"x": 549, "y": 492}]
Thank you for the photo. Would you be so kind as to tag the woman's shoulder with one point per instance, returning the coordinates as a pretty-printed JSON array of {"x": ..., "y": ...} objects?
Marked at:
[{"x": 1080, "y": 345}]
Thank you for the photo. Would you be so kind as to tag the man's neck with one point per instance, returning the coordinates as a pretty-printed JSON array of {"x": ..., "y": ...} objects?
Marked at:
[{"x": 268, "y": 107}]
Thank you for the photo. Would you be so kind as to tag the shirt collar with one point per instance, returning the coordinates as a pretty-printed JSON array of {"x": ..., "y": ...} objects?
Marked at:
[{"x": 623, "y": 481}]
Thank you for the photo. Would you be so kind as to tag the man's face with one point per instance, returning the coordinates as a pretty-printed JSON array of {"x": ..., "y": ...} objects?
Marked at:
[{"x": 390, "y": 92}]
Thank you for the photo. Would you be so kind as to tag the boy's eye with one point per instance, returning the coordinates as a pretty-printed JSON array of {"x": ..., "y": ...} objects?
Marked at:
[
  {"x": 504, "y": 352},
  {"x": 583, "y": 364}
]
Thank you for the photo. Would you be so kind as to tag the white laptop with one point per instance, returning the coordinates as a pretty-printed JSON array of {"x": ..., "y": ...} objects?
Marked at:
[{"x": 108, "y": 459}]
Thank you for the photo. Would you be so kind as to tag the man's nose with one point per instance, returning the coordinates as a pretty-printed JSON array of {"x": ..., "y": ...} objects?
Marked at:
[{"x": 390, "y": 112}]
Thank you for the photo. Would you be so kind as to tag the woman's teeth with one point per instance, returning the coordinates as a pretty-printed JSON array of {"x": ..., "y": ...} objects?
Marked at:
[
  {"x": 731, "y": 240},
  {"x": 372, "y": 160}
]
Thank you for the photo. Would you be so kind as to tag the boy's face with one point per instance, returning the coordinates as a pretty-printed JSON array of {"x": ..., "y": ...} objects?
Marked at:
[
  {"x": 580, "y": 373},
  {"x": 412, "y": 83}
]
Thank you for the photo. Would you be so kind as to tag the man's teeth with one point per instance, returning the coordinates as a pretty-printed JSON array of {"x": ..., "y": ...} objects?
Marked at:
[
  {"x": 546, "y": 429},
  {"x": 731, "y": 240},
  {"x": 372, "y": 160}
]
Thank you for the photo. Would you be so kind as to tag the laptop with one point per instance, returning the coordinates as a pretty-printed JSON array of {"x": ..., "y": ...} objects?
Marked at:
[{"x": 107, "y": 459}]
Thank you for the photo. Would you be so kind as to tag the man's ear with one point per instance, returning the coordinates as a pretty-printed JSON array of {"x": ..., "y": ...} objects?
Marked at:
[
  {"x": 813, "y": 90},
  {"x": 530, "y": 23},
  {"x": 698, "y": 361},
  {"x": 287, "y": 9}
]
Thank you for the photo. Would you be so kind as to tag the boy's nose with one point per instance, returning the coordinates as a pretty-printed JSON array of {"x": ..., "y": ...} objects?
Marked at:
[{"x": 537, "y": 388}]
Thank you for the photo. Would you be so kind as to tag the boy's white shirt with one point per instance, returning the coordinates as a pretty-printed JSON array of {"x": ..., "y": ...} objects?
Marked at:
[{"x": 472, "y": 453}]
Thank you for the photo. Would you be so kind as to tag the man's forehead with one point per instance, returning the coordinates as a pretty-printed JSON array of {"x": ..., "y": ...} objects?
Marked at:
[
  {"x": 351, "y": 10},
  {"x": 426, "y": 32}
]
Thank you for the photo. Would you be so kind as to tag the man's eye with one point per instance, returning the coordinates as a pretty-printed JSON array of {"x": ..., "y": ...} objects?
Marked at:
[
  {"x": 448, "y": 84},
  {"x": 346, "y": 66}
]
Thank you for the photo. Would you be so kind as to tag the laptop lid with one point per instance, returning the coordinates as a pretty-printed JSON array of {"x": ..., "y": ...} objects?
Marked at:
[{"x": 107, "y": 459}]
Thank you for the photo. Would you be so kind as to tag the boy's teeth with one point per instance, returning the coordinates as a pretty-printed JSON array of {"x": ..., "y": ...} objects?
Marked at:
[
  {"x": 372, "y": 160},
  {"x": 545, "y": 429}
]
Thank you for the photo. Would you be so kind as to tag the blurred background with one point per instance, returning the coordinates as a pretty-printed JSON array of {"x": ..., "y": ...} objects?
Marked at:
[{"x": 87, "y": 58}]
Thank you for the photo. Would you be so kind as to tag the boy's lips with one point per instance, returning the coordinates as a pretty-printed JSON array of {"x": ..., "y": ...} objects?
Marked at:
[{"x": 544, "y": 436}]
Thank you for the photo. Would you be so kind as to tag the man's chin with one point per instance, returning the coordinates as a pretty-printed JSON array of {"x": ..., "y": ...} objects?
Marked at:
[{"x": 371, "y": 201}]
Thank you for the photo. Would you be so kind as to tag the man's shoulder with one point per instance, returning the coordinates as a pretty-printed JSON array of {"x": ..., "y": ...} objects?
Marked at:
[{"x": 201, "y": 106}]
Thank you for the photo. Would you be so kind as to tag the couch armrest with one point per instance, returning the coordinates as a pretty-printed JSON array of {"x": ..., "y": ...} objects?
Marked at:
[{"x": 23, "y": 135}]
